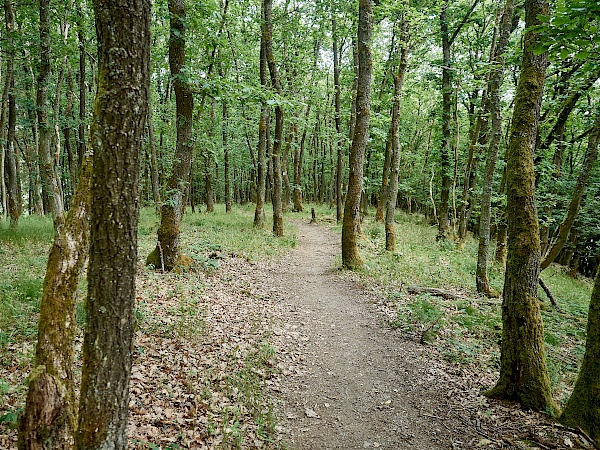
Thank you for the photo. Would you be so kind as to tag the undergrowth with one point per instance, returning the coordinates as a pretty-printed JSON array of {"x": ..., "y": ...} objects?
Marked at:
[{"x": 467, "y": 329}]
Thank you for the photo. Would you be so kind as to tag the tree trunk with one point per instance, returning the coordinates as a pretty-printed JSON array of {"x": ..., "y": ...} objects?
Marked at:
[
  {"x": 120, "y": 112},
  {"x": 350, "y": 228},
  {"x": 259, "y": 212},
  {"x": 390, "y": 232},
  {"x": 565, "y": 227},
  {"x": 481, "y": 275},
  {"x": 50, "y": 418},
  {"x": 583, "y": 407},
  {"x": 208, "y": 156},
  {"x": 81, "y": 143},
  {"x": 13, "y": 197},
  {"x": 153, "y": 160},
  {"x": 167, "y": 254},
  {"x": 523, "y": 370},
  {"x": 298, "y": 159},
  {"x": 48, "y": 173},
  {"x": 338, "y": 127},
  {"x": 278, "y": 138},
  {"x": 226, "y": 158}
]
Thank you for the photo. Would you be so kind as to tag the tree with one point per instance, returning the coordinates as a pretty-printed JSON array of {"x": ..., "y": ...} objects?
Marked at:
[
  {"x": 167, "y": 254},
  {"x": 350, "y": 227},
  {"x": 279, "y": 116},
  {"x": 494, "y": 85},
  {"x": 50, "y": 418},
  {"x": 583, "y": 407},
  {"x": 120, "y": 112},
  {"x": 392, "y": 191},
  {"x": 523, "y": 370}
]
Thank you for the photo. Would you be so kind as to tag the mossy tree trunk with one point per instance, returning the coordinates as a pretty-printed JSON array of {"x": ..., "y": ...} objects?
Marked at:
[
  {"x": 351, "y": 224},
  {"x": 523, "y": 370},
  {"x": 495, "y": 82},
  {"x": 392, "y": 191},
  {"x": 167, "y": 254},
  {"x": 50, "y": 419},
  {"x": 279, "y": 116},
  {"x": 583, "y": 407},
  {"x": 120, "y": 112}
]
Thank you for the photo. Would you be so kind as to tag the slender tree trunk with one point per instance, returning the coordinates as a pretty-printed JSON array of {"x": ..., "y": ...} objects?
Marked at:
[
  {"x": 390, "y": 232},
  {"x": 10, "y": 164},
  {"x": 120, "y": 112},
  {"x": 48, "y": 171},
  {"x": 385, "y": 179},
  {"x": 287, "y": 188},
  {"x": 259, "y": 212},
  {"x": 338, "y": 126},
  {"x": 167, "y": 254},
  {"x": 50, "y": 416},
  {"x": 208, "y": 182},
  {"x": 153, "y": 160},
  {"x": 481, "y": 277},
  {"x": 279, "y": 115},
  {"x": 565, "y": 227},
  {"x": 226, "y": 169},
  {"x": 523, "y": 370},
  {"x": 81, "y": 143},
  {"x": 298, "y": 159},
  {"x": 350, "y": 229}
]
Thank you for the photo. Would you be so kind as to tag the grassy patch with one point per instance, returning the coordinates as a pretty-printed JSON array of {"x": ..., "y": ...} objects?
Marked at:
[{"x": 467, "y": 329}]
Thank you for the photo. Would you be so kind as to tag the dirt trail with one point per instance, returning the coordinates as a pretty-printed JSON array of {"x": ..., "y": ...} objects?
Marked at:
[{"x": 357, "y": 384}]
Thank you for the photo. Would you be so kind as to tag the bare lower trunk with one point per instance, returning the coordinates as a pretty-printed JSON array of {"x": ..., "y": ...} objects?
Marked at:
[{"x": 50, "y": 418}]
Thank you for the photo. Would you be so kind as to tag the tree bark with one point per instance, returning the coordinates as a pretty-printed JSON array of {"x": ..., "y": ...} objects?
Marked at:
[
  {"x": 523, "y": 370},
  {"x": 226, "y": 168},
  {"x": 50, "y": 417},
  {"x": 261, "y": 179},
  {"x": 351, "y": 224},
  {"x": 338, "y": 126},
  {"x": 120, "y": 112},
  {"x": 167, "y": 254},
  {"x": 13, "y": 197},
  {"x": 153, "y": 160},
  {"x": 279, "y": 116},
  {"x": 48, "y": 171},
  {"x": 390, "y": 232},
  {"x": 481, "y": 275},
  {"x": 583, "y": 407}
]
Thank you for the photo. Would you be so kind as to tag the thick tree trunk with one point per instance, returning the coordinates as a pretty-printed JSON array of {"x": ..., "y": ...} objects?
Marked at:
[
  {"x": 523, "y": 370},
  {"x": 351, "y": 224},
  {"x": 120, "y": 113},
  {"x": 50, "y": 418},
  {"x": 390, "y": 232},
  {"x": 279, "y": 115},
  {"x": 167, "y": 254},
  {"x": 583, "y": 407},
  {"x": 481, "y": 275},
  {"x": 573, "y": 210}
]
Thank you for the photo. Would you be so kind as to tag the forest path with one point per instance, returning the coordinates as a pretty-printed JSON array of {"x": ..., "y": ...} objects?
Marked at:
[{"x": 352, "y": 383}]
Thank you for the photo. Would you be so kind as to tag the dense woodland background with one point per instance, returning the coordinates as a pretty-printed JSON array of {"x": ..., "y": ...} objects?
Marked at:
[
  {"x": 286, "y": 103},
  {"x": 223, "y": 47}
]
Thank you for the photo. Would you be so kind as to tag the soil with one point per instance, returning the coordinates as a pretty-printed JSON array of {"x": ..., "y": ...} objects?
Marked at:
[
  {"x": 351, "y": 382},
  {"x": 361, "y": 385}
]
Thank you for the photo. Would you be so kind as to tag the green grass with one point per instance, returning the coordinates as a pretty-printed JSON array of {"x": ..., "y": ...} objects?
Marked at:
[{"x": 467, "y": 330}]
